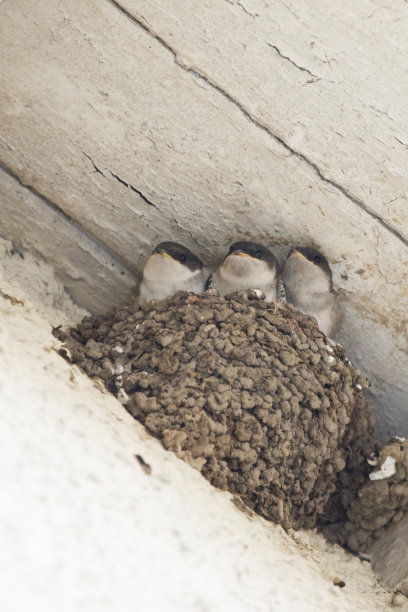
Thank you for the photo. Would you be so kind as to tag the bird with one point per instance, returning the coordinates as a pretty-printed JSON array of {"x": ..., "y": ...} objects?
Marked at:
[
  {"x": 247, "y": 265},
  {"x": 308, "y": 286},
  {"x": 172, "y": 267}
]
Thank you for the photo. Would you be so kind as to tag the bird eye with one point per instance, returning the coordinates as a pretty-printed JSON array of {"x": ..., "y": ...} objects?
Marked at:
[
  {"x": 182, "y": 257},
  {"x": 258, "y": 254},
  {"x": 317, "y": 259}
]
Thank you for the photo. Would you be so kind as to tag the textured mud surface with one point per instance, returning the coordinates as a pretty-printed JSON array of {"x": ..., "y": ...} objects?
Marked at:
[
  {"x": 381, "y": 501},
  {"x": 250, "y": 393}
]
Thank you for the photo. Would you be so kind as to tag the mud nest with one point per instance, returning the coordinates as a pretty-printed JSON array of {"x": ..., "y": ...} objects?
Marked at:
[
  {"x": 250, "y": 393},
  {"x": 381, "y": 501}
]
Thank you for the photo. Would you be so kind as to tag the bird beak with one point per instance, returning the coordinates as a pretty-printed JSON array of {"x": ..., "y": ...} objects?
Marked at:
[
  {"x": 295, "y": 252},
  {"x": 240, "y": 254},
  {"x": 163, "y": 253}
]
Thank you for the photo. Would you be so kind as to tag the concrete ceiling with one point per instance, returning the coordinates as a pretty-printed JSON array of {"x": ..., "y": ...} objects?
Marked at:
[{"x": 126, "y": 123}]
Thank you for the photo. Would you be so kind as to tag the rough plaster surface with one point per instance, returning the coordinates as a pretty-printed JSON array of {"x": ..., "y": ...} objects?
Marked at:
[
  {"x": 94, "y": 277},
  {"x": 84, "y": 525},
  {"x": 207, "y": 123},
  {"x": 390, "y": 557},
  {"x": 26, "y": 279}
]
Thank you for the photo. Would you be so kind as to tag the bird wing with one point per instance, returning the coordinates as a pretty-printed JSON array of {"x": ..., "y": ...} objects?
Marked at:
[
  {"x": 281, "y": 291},
  {"x": 209, "y": 283}
]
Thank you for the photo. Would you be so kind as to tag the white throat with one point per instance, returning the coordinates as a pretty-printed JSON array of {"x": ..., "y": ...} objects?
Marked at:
[
  {"x": 163, "y": 276},
  {"x": 239, "y": 273}
]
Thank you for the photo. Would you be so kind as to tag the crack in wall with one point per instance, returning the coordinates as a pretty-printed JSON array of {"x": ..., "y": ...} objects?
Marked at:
[
  {"x": 400, "y": 141},
  {"x": 246, "y": 10},
  {"x": 243, "y": 7},
  {"x": 144, "y": 198},
  {"x": 68, "y": 219},
  {"x": 302, "y": 157},
  {"x": 94, "y": 165},
  {"x": 291, "y": 61},
  {"x": 190, "y": 233},
  {"x": 378, "y": 110}
]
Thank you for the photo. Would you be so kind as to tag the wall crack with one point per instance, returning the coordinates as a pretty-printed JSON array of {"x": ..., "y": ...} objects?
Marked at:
[
  {"x": 68, "y": 219},
  {"x": 94, "y": 165},
  {"x": 404, "y": 144},
  {"x": 189, "y": 232},
  {"x": 243, "y": 7},
  {"x": 301, "y": 156},
  {"x": 144, "y": 198},
  {"x": 285, "y": 57}
]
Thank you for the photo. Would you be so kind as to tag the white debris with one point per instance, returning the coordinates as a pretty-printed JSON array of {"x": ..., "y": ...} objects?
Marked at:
[
  {"x": 359, "y": 387},
  {"x": 123, "y": 396},
  {"x": 329, "y": 349},
  {"x": 330, "y": 359},
  {"x": 118, "y": 349},
  {"x": 119, "y": 369},
  {"x": 258, "y": 293},
  {"x": 399, "y": 439},
  {"x": 386, "y": 470}
]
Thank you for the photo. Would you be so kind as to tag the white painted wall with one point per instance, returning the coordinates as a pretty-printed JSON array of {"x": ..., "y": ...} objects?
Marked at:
[{"x": 126, "y": 123}]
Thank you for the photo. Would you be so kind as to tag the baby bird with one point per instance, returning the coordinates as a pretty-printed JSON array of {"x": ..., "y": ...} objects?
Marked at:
[
  {"x": 247, "y": 265},
  {"x": 170, "y": 268},
  {"x": 308, "y": 284}
]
